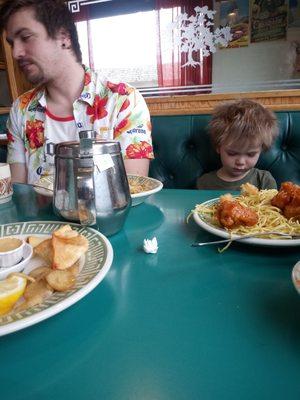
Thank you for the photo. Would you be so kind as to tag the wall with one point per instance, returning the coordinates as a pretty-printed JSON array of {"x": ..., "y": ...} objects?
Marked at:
[{"x": 264, "y": 61}]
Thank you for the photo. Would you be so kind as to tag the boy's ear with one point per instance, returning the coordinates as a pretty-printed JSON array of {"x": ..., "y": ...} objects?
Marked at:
[{"x": 218, "y": 149}]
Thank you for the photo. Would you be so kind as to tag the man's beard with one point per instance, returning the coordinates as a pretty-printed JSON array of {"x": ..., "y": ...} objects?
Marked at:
[{"x": 34, "y": 78}]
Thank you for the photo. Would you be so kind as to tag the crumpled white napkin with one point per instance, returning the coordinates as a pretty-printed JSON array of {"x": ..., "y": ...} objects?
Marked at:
[{"x": 150, "y": 245}]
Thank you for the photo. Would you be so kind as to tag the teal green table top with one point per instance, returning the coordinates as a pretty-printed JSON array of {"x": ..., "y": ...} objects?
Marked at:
[{"x": 185, "y": 323}]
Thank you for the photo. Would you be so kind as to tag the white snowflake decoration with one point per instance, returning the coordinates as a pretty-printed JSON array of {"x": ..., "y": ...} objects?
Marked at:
[{"x": 193, "y": 33}]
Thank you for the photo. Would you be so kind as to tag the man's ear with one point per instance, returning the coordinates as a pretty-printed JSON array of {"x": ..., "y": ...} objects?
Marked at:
[
  {"x": 64, "y": 37},
  {"x": 218, "y": 149}
]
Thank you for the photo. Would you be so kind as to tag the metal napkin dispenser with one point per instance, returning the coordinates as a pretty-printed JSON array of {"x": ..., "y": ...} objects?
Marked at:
[{"x": 91, "y": 184}]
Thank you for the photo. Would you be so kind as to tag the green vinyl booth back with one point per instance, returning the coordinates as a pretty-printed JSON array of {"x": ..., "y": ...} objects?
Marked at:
[{"x": 183, "y": 151}]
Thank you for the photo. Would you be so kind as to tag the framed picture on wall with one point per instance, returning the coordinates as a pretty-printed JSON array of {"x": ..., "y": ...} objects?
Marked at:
[
  {"x": 268, "y": 20},
  {"x": 235, "y": 14},
  {"x": 294, "y": 14}
]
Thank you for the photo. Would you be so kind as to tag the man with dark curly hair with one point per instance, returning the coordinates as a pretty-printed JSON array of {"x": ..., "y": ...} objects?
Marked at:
[{"x": 68, "y": 97}]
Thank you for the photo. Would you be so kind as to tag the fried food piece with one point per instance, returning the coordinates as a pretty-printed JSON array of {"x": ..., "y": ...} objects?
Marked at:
[
  {"x": 288, "y": 200},
  {"x": 64, "y": 248},
  {"x": 35, "y": 240},
  {"x": 68, "y": 247},
  {"x": 248, "y": 188},
  {"x": 35, "y": 296},
  {"x": 36, "y": 292},
  {"x": 65, "y": 232},
  {"x": 232, "y": 214},
  {"x": 61, "y": 280},
  {"x": 40, "y": 272},
  {"x": 284, "y": 196},
  {"x": 62, "y": 255},
  {"x": 75, "y": 268},
  {"x": 45, "y": 251},
  {"x": 292, "y": 211}
]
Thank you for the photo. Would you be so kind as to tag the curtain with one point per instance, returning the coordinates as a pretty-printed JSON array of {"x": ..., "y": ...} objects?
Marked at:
[
  {"x": 170, "y": 60},
  {"x": 90, "y": 44}
]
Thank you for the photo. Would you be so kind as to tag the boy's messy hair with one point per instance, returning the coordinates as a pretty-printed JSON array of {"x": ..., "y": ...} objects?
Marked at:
[
  {"x": 53, "y": 14},
  {"x": 243, "y": 120}
]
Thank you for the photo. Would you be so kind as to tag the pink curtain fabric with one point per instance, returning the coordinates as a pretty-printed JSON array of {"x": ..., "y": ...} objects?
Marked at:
[{"x": 169, "y": 60}]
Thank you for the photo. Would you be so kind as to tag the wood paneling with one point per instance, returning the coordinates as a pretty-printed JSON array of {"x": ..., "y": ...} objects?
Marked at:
[
  {"x": 4, "y": 110},
  {"x": 204, "y": 104}
]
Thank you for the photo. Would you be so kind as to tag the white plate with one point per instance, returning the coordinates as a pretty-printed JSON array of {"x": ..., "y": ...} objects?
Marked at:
[
  {"x": 21, "y": 265},
  {"x": 96, "y": 265},
  {"x": 45, "y": 186},
  {"x": 153, "y": 186},
  {"x": 205, "y": 223},
  {"x": 296, "y": 276}
]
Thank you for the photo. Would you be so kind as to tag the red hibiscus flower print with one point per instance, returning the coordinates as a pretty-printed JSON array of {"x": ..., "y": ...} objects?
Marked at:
[
  {"x": 139, "y": 150},
  {"x": 87, "y": 79},
  {"x": 35, "y": 133},
  {"x": 123, "y": 126},
  {"x": 120, "y": 88},
  {"x": 97, "y": 110},
  {"x": 125, "y": 105},
  {"x": 25, "y": 98},
  {"x": 10, "y": 137}
]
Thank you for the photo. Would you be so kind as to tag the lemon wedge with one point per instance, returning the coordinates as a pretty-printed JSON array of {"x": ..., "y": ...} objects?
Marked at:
[{"x": 11, "y": 289}]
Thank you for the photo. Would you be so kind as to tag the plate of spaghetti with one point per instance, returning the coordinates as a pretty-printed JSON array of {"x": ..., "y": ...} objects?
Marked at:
[
  {"x": 45, "y": 186},
  {"x": 257, "y": 210},
  {"x": 142, "y": 187}
]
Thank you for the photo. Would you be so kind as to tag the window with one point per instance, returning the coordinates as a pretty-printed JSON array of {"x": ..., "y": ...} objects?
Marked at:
[
  {"x": 123, "y": 47},
  {"x": 133, "y": 41}
]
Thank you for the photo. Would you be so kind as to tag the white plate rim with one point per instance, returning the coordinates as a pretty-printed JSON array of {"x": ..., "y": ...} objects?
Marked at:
[
  {"x": 147, "y": 192},
  {"x": 42, "y": 187},
  {"x": 296, "y": 269},
  {"x": 255, "y": 241},
  {"x": 43, "y": 190},
  {"x": 69, "y": 300}
]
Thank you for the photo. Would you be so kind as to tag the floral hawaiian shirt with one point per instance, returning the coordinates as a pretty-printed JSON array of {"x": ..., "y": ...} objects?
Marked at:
[{"x": 116, "y": 111}]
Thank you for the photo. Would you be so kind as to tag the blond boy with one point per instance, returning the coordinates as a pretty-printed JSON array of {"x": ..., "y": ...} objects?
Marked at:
[{"x": 240, "y": 130}]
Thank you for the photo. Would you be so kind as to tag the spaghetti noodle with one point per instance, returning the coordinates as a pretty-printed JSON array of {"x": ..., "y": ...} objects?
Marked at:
[
  {"x": 270, "y": 218},
  {"x": 139, "y": 186}
]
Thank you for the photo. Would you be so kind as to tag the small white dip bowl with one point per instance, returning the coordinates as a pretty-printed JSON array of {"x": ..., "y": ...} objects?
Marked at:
[
  {"x": 27, "y": 254},
  {"x": 11, "y": 251}
]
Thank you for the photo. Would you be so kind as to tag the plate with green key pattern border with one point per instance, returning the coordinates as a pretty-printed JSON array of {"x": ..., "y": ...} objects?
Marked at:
[{"x": 96, "y": 264}]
